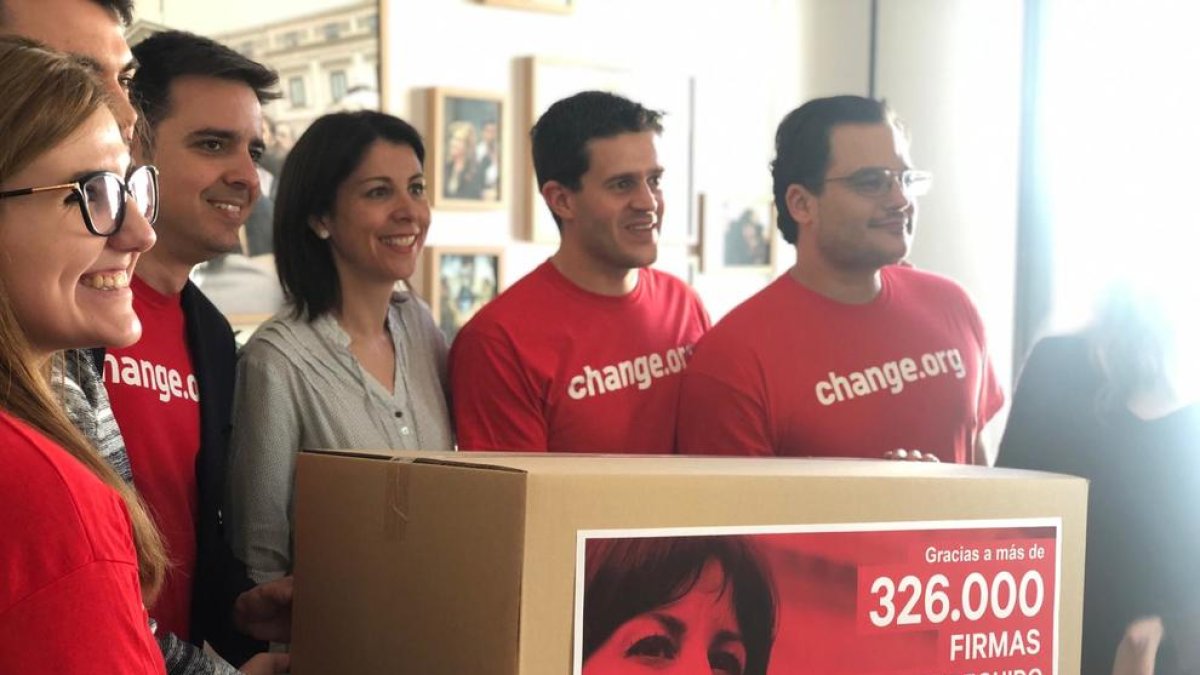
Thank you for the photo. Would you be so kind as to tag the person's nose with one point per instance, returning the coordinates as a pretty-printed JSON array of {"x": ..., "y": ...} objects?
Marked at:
[
  {"x": 645, "y": 198},
  {"x": 243, "y": 173},
  {"x": 408, "y": 208},
  {"x": 136, "y": 234},
  {"x": 897, "y": 197},
  {"x": 123, "y": 111}
]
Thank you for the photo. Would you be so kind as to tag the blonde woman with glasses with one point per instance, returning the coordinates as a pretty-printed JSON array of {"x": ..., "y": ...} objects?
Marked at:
[{"x": 79, "y": 557}]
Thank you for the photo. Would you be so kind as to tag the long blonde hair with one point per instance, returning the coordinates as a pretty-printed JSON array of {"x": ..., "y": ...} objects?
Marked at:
[{"x": 44, "y": 97}]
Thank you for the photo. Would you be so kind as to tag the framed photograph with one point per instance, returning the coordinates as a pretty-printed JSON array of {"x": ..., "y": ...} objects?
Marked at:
[
  {"x": 467, "y": 149},
  {"x": 559, "y": 6},
  {"x": 459, "y": 280},
  {"x": 739, "y": 234},
  {"x": 551, "y": 79}
]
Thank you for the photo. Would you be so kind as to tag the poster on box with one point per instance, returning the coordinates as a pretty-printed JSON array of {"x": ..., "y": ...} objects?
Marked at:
[{"x": 905, "y": 598}]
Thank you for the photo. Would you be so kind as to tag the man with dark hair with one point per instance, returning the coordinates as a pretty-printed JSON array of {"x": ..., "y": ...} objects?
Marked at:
[
  {"x": 584, "y": 353},
  {"x": 172, "y": 391},
  {"x": 92, "y": 30},
  {"x": 848, "y": 354}
]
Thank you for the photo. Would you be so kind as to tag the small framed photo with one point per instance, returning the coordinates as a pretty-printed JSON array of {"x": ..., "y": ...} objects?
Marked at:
[
  {"x": 738, "y": 233},
  {"x": 459, "y": 280},
  {"x": 559, "y": 6},
  {"x": 467, "y": 149}
]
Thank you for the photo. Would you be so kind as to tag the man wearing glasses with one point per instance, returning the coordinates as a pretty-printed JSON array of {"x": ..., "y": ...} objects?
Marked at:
[{"x": 849, "y": 354}]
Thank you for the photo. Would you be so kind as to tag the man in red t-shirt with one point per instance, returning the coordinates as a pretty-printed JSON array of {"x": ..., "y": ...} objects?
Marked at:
[
  {"x": 848, "y": 354},
  {"x": 585, "y": 353},
  {"x": 172, "y": 391}
]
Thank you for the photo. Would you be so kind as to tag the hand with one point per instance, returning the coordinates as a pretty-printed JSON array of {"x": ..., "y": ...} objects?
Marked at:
[
  {"x": 265, "y": 611},
  {"x": 1136, "y": 651},
  {"x": 902, "y": 455},
  {"x": 267, "y": 664}
]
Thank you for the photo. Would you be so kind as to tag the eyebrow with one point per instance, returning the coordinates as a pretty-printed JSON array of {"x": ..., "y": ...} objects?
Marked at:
[
  {"x": 656, "y": 171},
  {"x": 256, "y": 143},
  {"x": 673, "y": 626},
  {"x": 388, "y": 179},
  {"x": 727, "y": 636},
  {"x": 88, "y": 62}
]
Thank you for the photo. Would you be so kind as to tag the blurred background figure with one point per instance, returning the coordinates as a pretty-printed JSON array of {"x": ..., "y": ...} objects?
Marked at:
[
  {"x": 464, "y": 177},
  {"x": 1116, "y": 403}
]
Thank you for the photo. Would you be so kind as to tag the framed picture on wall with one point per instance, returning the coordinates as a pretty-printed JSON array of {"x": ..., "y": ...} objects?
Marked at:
[
  {"x": 551, "y": 79},
  {"x": 739, "y": 233},
  {"x": 467, "y": 149},
  {"x": 459, "y": 280},
  {"x": 560, "y": 6}
]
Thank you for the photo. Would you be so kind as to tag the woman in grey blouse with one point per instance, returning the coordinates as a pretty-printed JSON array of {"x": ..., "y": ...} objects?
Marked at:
[{"x": 351, "y": 363}]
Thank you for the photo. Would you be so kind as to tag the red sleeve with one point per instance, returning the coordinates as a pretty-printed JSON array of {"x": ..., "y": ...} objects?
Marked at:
[
  {"x": 495, "y": 405},
  {"x": 90, "y": 621},
  {"x": 716, "y": 419}
]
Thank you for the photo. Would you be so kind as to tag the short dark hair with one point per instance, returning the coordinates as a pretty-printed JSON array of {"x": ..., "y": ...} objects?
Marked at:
[
  {"x": 120, "y": 9},
  {"x": 164, "y": 57},
  {"x": 322, "y": 159},
  {"x": 625, "y": 578},
  {"x": 802, "y": 146},
  {"x": 561, "y": 135}
]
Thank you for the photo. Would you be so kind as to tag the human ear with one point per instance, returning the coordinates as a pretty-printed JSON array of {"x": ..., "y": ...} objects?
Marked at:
[
  {"x": 319, "y": 226},
  {"x": 801, "y": 204},
  {"x": 559, "y": 198}
]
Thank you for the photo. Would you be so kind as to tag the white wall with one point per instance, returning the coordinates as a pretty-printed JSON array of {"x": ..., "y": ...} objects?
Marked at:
[
  {"x": 952, "y": 69},
  {"x": 741, "y": 52}
]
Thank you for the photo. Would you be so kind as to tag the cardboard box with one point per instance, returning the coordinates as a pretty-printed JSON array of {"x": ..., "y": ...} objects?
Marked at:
[{"x": 430, "y": 563}]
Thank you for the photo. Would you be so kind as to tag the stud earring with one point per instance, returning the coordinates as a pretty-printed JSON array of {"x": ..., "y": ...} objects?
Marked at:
[{"x": 322, "y": 233}]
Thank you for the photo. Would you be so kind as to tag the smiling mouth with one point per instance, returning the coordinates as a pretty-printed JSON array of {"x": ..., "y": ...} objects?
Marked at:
[
  {"x": 643, "y": 226},
  {"x": 101, "y": 281},
  {"x": 228, "y": 207},
  {"x": 401, "y": 241},
  {"x": 902, "y": 225}
]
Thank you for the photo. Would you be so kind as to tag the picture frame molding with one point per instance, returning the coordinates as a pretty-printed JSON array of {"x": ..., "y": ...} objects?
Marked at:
[
  {"x": 436, "y": 149},
  {"x": 431, "y": 271},
  {"x": 553, "y": 6},
  {"x": 710, "y": 248}
]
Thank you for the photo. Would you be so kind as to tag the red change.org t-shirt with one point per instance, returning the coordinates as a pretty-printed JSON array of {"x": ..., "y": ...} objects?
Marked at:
[
  {"x": 549, "y": 366},
  {"x": 791, "y": 372},
  {"x": 69, "y": 595},
  {"x": 157, "y": 405}
]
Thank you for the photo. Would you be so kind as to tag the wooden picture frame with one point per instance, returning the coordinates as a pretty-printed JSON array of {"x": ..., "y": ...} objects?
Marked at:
[
  {"x": 549, "y": 79},
  {"x": 738, "y": 234},
  {"x": 556, "y": 6},
  {"x": 459, "y": 280},
  {"x": 468, "y": 149}
]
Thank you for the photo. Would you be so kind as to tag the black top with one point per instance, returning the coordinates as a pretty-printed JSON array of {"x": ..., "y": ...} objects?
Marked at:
[{"x": 1143, "y": 535}]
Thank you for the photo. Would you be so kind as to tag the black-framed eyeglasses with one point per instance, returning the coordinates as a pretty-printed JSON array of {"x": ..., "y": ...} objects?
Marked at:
[
  {"x": 876, "y": 182},
  {"x": 102, "y": 197}
]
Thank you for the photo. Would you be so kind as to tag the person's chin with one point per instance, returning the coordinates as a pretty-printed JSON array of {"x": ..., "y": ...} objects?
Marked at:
[
  {"x": 642, "y": 256},
  {"x": 119, "y": 333}
]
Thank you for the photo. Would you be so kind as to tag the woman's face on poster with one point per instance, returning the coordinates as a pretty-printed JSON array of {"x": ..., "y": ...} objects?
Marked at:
[{"x": 695, "y": 635}]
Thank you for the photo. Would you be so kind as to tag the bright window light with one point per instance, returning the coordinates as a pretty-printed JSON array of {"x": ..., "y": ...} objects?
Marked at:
[{"x": 1119, "y": 113}]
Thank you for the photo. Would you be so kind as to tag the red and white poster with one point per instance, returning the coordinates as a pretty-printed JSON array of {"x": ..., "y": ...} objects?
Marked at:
[{"x": 975, "y": 597}]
